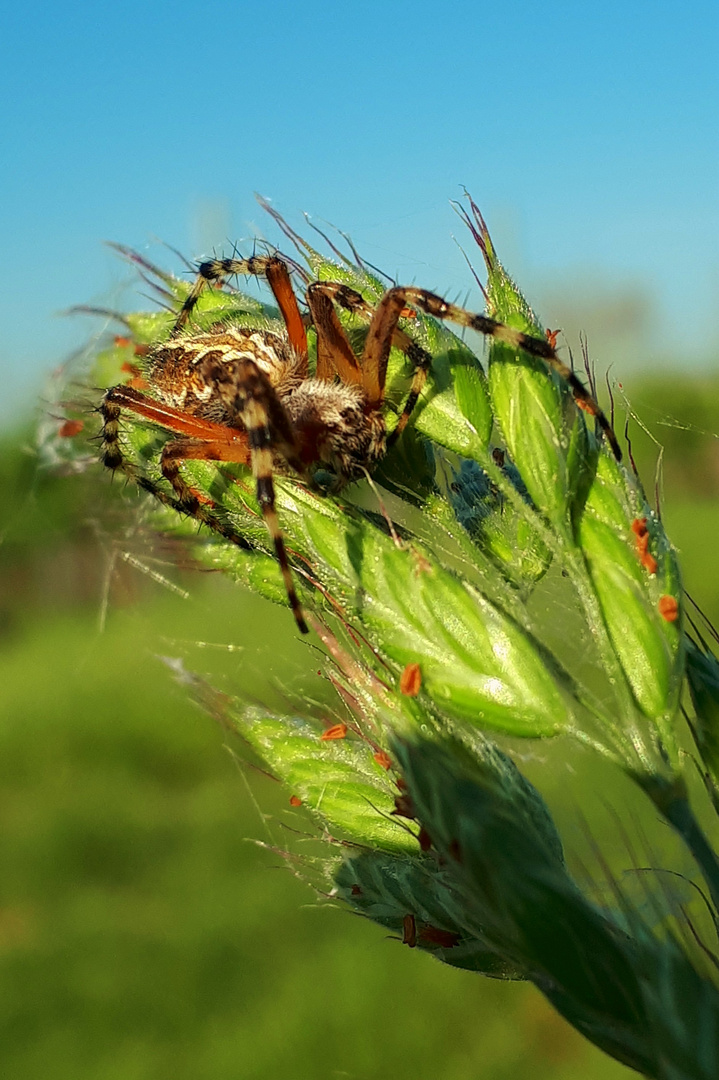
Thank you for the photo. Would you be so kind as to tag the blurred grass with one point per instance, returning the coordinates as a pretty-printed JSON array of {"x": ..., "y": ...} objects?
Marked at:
[{"x": 141, "y": 936}]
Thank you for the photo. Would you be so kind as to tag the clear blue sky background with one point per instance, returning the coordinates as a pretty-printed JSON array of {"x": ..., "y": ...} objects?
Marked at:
[{"x": 587, "y": 132}]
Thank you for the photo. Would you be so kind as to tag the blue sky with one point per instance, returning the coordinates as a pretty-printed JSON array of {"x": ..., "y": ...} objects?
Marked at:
[{"x": 587, "y": 133}]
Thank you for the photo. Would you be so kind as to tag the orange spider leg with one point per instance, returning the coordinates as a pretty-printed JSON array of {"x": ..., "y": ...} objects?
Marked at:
[
  {"x": 225, "y": 449},
  {"x": 175, "y": 420},
  {"x": 278, "y": 278},
  {"x": 378, "y": 344},
  {"x": 352, "y": 301},
  {"x": 388, "y": 312},
  {"x": 204, "y": 439},
  {"x": 382, "y": 335},
  {"x": 334, "y": 352}
]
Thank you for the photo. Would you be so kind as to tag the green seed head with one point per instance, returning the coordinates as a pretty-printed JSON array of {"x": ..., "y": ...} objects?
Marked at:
[{"x": 635, "y": 574}]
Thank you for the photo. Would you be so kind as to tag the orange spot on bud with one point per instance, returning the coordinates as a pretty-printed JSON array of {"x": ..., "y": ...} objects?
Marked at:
[
  {"x": 551, "y": 336},
  {"x": 410, "y": 680},
  {"x": 295, "y": 800},
  {"x": 137, "y": 382},
  {"x": 432, "y": 935},
  {"x": 641, "y": 532},
  {"x": 401, "y": 783},
  {"x": 122, "y": 342},
  {"x": 383, "y": 759},
  {"x": 668, "y": 608},
  {"x": 356, "y": 891},
  {"x": 141, "y": 350},
  {"x": 421, "y": 565},
  {"x": 425, "y": 840},
  {"x": 409, "y": 931},
  {"x": 649, "y": 562},
  {"x": 70, "y": 428},
  {"x": 337, "y": 731}
]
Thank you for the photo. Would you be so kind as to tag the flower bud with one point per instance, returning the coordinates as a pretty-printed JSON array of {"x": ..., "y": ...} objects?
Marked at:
[
  {"x": 543, "y": 429},
  {"x": 635, "y": 575},
  {"x": 336, "y": 778},
  {"x": 495, "y": 525}
]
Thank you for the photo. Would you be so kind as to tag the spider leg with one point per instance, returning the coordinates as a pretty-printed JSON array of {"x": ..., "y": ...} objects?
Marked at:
[
  {"x": 179, "y": 450},
  {"x": 382, "y": 334},
  {"x": 352, "y": 301},
  {"x": 213, "y": 441},
  {"x": 181, "y": 423},
  {"x": 334, "y": 352},
  {"x": 273, "y": 269},
  {"x": 373, "y": 372},
  {"x": 266, "y": 427},
  {"x": 249, "y": 394},
  {"x": 388, "y": 311}
]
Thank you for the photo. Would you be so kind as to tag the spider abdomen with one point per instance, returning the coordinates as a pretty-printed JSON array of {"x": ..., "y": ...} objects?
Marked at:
[{"x": 188, "y": 373}]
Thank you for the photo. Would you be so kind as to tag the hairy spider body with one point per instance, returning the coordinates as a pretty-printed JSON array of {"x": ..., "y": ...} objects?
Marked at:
[
  {"x": 206, "y": 376},
  {"x": 247, "y": 395}
]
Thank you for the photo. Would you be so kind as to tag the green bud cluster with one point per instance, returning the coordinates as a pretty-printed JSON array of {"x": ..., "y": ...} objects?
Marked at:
[{"x": 429, "y": 587}]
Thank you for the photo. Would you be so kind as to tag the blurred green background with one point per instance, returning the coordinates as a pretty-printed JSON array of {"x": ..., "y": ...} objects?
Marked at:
[{"x": 142, "y": 934}]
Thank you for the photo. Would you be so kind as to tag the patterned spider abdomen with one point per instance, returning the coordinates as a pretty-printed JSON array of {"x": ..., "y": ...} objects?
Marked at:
[{"x": 187, "y": 372}]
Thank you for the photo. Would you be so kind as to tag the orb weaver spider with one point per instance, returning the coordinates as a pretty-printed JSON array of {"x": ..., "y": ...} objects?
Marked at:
[{"x": 247, "y": 396}]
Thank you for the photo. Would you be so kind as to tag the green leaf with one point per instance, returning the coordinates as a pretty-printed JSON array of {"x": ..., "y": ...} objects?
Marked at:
[{"x": 507, "y": 536}]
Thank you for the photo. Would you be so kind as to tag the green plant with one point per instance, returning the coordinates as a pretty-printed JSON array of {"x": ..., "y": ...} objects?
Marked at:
[{"x": 425, "y": 598}]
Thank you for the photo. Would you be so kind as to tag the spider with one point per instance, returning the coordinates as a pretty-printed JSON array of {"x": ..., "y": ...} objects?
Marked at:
[{"x": 243, "y": 395}]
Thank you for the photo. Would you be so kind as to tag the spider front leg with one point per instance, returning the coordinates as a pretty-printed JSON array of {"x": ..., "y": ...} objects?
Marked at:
[
  {"x": 370, "y": 372},
  {"x": 388, "y": 311},
  {"x": 248, "y": 394},
  {"x": 270, "y": 267},
  {"x": 334, "y": 352}
]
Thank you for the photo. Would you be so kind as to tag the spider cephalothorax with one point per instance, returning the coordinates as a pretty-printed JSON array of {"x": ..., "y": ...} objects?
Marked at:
[{"x": 244, "y": 395}]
